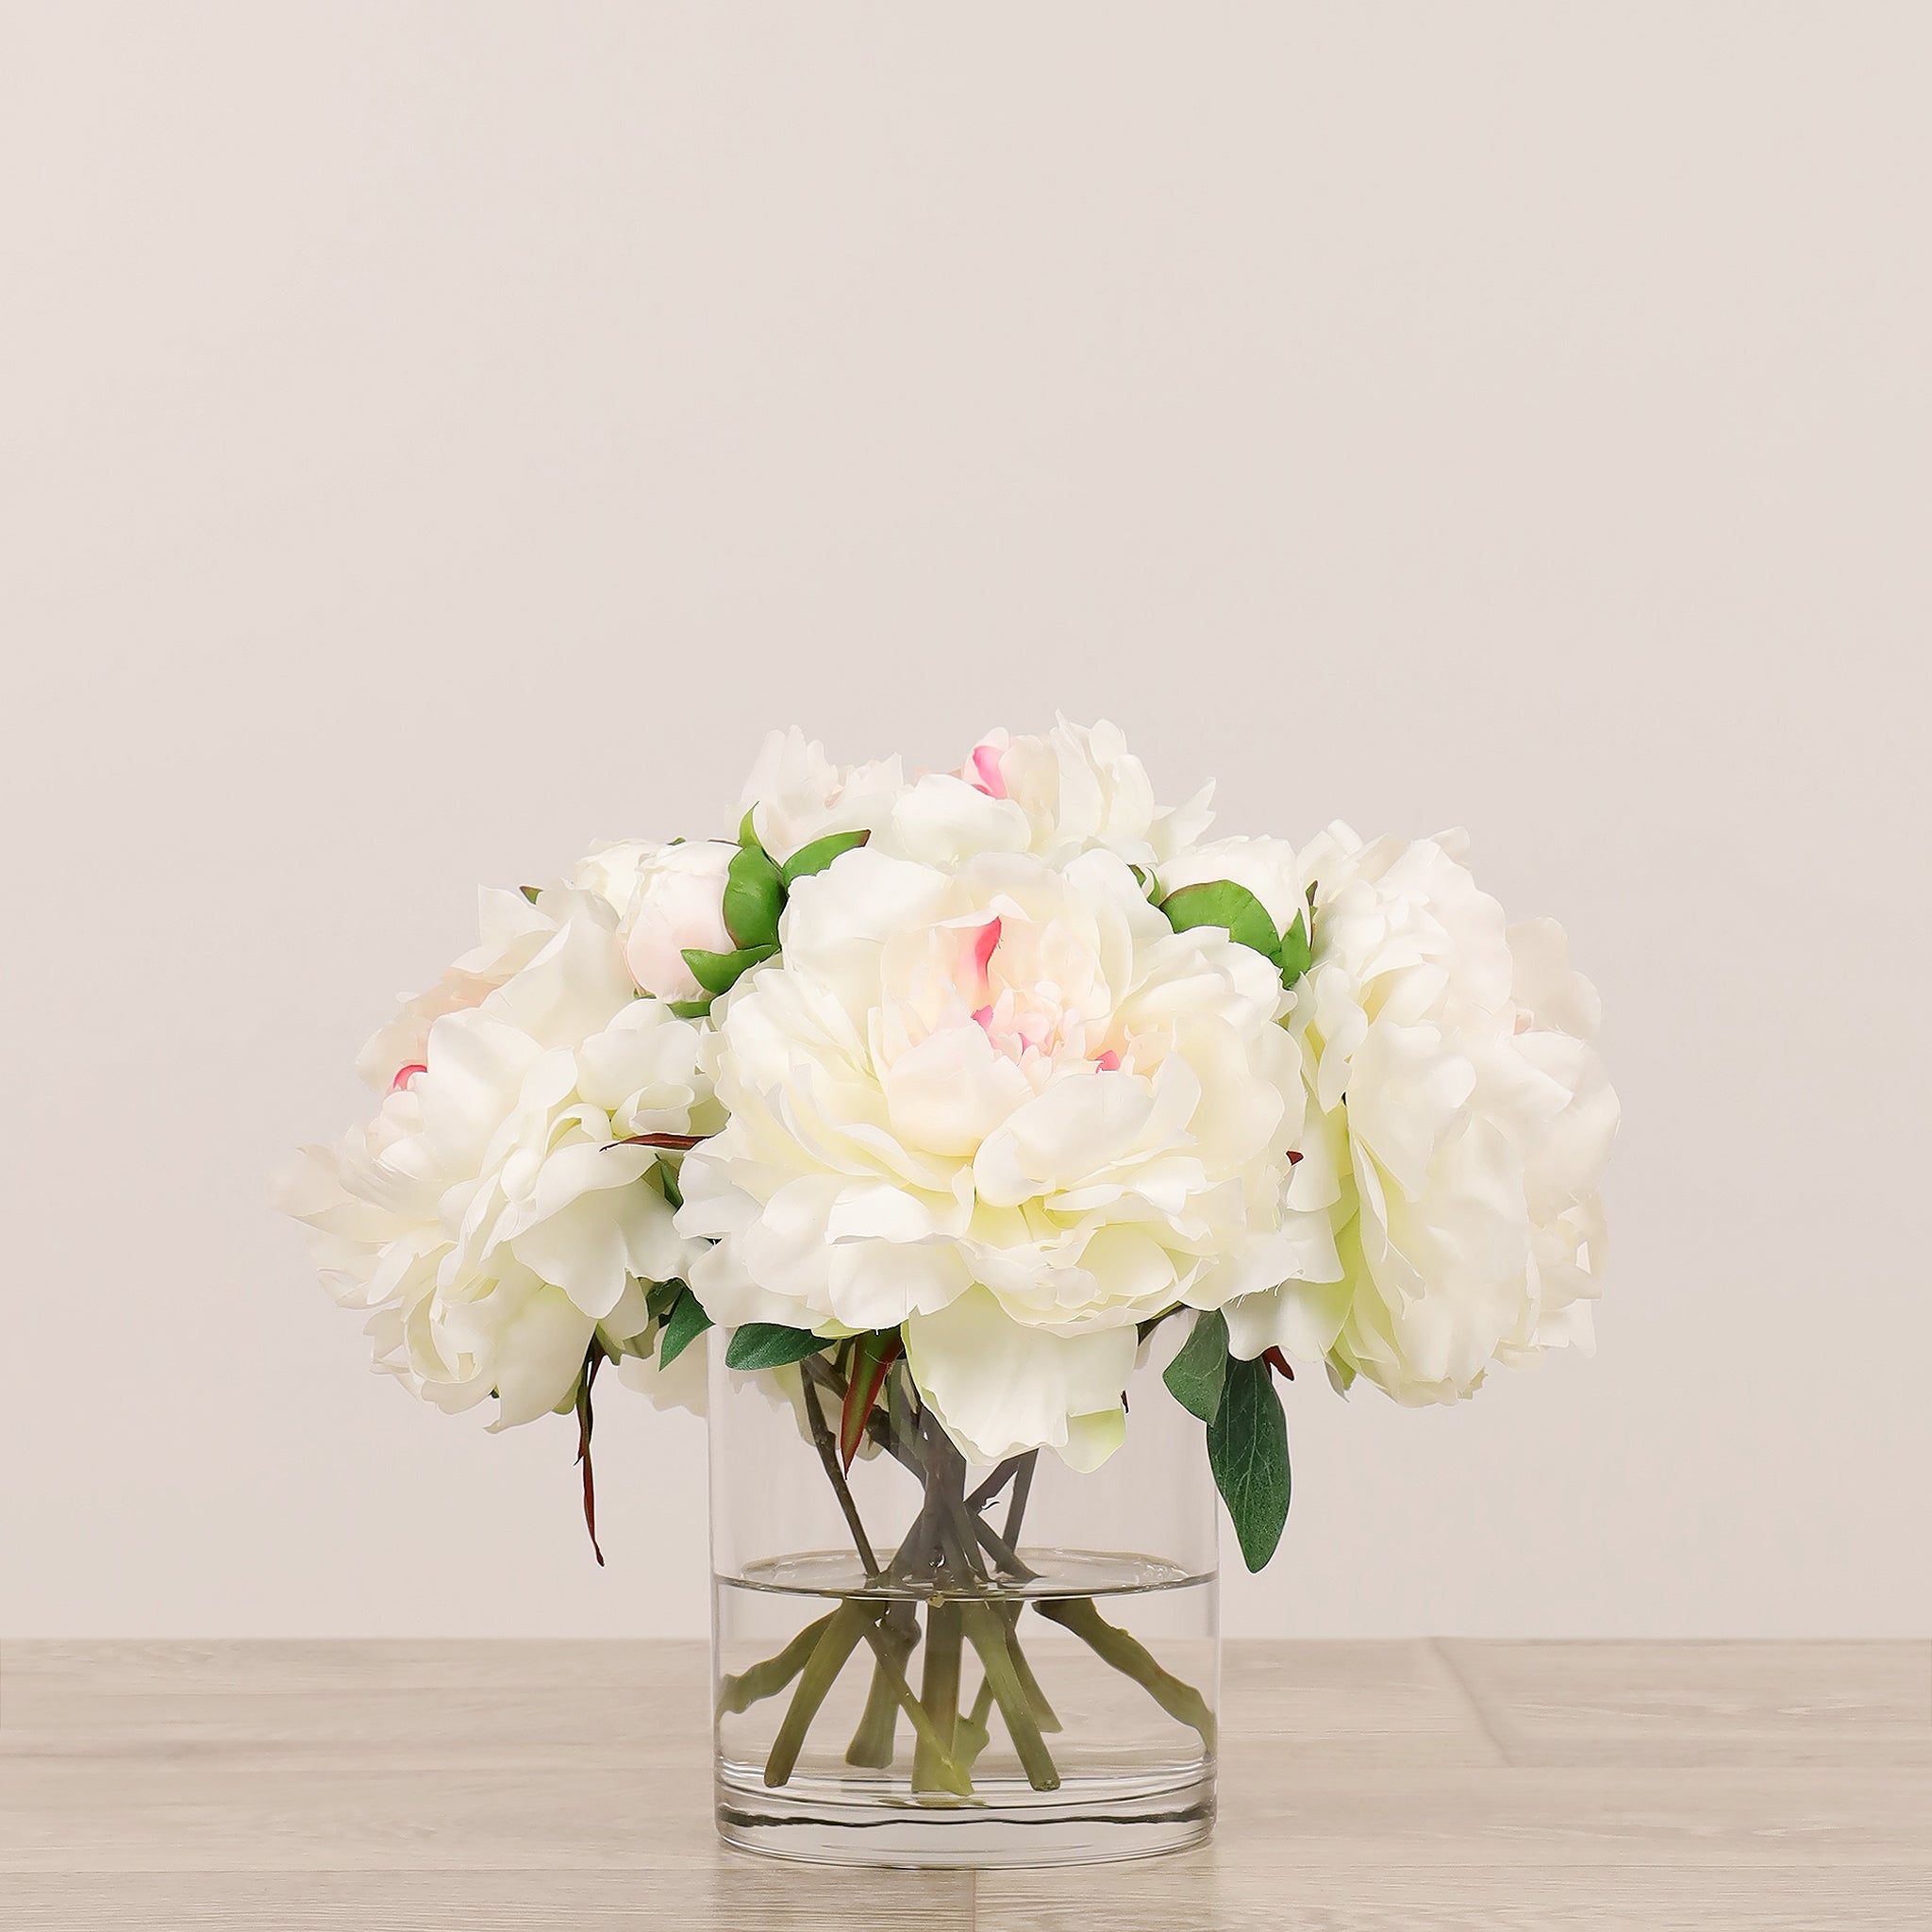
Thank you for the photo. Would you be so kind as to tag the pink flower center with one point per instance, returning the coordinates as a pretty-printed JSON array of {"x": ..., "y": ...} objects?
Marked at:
[
  {"x": 986, "y": 761},
  {"x": 985, "y": 943},
  {"x": 1016, "y": 996},
  {"x": 405, "y": 1075}
]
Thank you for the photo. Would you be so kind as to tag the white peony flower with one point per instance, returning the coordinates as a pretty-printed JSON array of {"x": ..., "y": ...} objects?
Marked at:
[
  {"x": 513, "y": 932},
  {"x": 484, "y": 1217},
  {"x": 796, "y": 794},
  {"x": 677, "y": 901},
  {"x": 686, "y": 910},
  {"x": 1459, "y": 1128},
  {"x": 668, "y": 898},
  {"x": 1072, "y": 791},
  {"x": 1005, "y": 1103}
]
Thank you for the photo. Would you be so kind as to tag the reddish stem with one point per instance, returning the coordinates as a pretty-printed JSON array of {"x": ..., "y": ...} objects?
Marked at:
[{"x": 593, "y": 1362}]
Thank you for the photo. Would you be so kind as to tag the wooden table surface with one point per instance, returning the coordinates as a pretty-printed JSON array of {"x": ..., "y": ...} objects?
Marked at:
[{"x": 496, "y": 1786}]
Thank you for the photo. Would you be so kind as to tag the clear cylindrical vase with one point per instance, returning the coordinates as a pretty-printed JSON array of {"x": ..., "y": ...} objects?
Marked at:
[{"x": 926, "y": 1660}]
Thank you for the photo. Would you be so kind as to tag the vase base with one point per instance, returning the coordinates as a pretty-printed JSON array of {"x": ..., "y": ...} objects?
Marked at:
[{"x": 1084, "y": 1827}]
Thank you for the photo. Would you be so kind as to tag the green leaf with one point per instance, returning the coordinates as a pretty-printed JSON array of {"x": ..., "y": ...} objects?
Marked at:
[
  {"x": 873, "y": 1356},
  {"x": 531, "y": 892},
  {"x": 1195, "y": 1375},
  {"x": 820, "y": 854},
  {"x": 682, "y": 1327},
  {"x": 691, "y": 1010},
  {"x": 1233, "y": 907},
  {"x": 1247, "y": 1449},
  {"x": 771, "y": 1345},
  {"x": 1296, "y": 950},
  {"x": 661, "y": 1297},
  {"x": 754, "y": 897},
  {"x": 720, "y": 972},
  {"x": 747, "y": 833}
]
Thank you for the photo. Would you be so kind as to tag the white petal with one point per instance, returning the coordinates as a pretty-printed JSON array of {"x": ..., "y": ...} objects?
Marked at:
[
  {"x": 1545, "y": 986},
  {"x": 539, "y": 1350},
  {"x": 952, "y": 1089},
  {"x": 1300, "y": 1318},
  {"x": 878, "y": 1283},
  {"x": 1077, "y": 1127},
  {"x": 1001, "y": 1389},
  {"x": 942, "y": 821},
  {"x": 683, "y": 1385}
]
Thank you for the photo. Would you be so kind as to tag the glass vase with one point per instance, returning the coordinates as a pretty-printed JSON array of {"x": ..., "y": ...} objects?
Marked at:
[{"x": 924, "y": 1660}]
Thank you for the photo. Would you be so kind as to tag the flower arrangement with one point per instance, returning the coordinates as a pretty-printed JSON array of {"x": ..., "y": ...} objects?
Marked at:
[{"x": 949, "y": 1096}]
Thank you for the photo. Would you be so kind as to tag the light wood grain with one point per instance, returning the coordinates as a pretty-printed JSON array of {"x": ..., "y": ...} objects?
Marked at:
[
  {"x": 1175, "y": 1896},
  {"x": 1703, "y": 1703},
  {"x": 1363, "y": 1786},
  {"x": 741, "y": 1895}
]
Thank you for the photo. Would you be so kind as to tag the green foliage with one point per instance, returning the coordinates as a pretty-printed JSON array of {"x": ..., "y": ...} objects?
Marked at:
[
  {"x": 873, "y": 1355},
  {"x": 685, "y": 1323},
  {"x": 1247, "y": 1449},
  {"x": 1197, "y": 1373},
  {"x": 1296, "y": 950},
  {"x": 820, "y": 854},
  {"x": 754, "y": 897},
  {"x": 718, "y": 973},
  {"x": 1233, "y": 907},
  {"x": 771, "y": 1345}
]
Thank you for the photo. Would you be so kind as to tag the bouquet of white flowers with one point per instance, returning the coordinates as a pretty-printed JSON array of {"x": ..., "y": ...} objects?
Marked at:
[{"x": 942, "y": 1097}]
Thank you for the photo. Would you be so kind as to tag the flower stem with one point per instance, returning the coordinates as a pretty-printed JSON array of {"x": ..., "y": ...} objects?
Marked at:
[
  {"x": 828, "y": 1455},
  {"x": 948, "y": 1773},
  {"x": 970, "y": 1735},
  {"x": 943, "y": 1545},
  {"x": 873, "y": 1742},
  {"x": 844, "y": 1629},
  {"x": 768, "y": 1678},
  {"x": 997, "y": 1481},
  {"x": 996, "y": 1546},
  {"x": 593, "y": 1360},
  {"x": 1132, "y": 1658},
  {"x": 1023, "y": 1487},
  {"x": 991, "y": 1637},
  {"x": 893, "y": 1632},
  {"x": 939, "y": 1691},
  {"x": 1043, "y": 1713},
  {"x": 975, "y": 1529}
]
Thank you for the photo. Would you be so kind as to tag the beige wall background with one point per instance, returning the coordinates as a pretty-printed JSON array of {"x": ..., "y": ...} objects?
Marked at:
[{"x": 433, "y": 437}]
